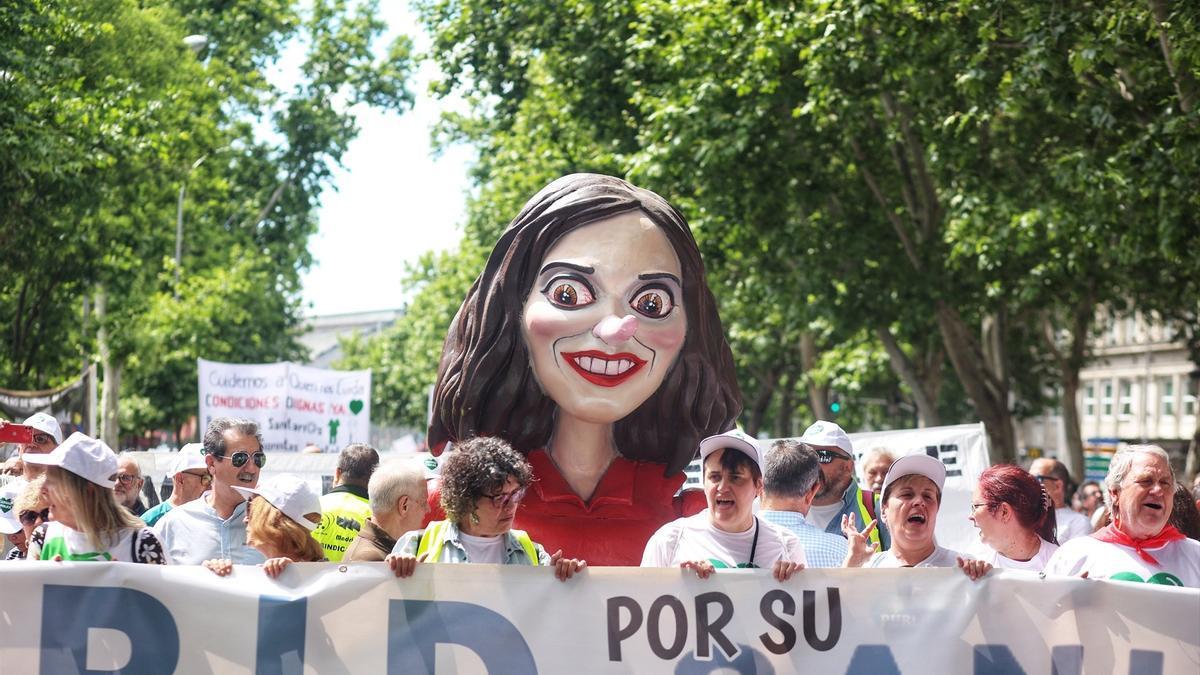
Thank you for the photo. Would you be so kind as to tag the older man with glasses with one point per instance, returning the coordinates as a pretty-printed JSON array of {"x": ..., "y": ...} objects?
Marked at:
[
  {"x": 129, "y": 484},
  {"x": 840, "y": 494},
  {"x": 1053, "y": 476},
  {"x": 213, "y": 526},
  {"x": 189, "y": 480}
]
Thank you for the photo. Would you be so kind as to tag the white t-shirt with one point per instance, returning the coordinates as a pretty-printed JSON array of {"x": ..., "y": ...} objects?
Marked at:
[
  {"x": 484, "y": 549},
  {"x": 1178, "y": 562},
  {"x": 941, "y": 557},
  {"x": 1035, "y": 564},
  {"x": 1071, "y": 525},
  {"x": 696, "y": 538},
  {"x": 821, "y": 515}
]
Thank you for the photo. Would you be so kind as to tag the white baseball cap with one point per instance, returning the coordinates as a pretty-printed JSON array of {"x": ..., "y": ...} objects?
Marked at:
[
  {"x": 918, "y": 464},
  {"x": 46, "y": 423},
  {"x": 290, "y": 494},
  {"x": 83, "y": 456},
  {"x": 191, "y": 456},
  {"x": 9, "y": 522},
  {"x": 828, "y": 434},
  {"x": 732, "y": 439}
]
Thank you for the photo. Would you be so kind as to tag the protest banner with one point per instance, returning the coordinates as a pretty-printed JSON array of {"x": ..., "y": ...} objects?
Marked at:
[
  {"x": 294, "y": 405},
  {"x": 358, "y": 618}
]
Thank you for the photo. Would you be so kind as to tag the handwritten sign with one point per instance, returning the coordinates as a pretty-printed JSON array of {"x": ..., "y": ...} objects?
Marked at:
[{"x": 294, "y": 405}]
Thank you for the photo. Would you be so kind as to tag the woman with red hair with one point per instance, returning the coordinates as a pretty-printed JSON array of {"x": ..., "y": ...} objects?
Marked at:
[{"x": 1015, "y": 517}]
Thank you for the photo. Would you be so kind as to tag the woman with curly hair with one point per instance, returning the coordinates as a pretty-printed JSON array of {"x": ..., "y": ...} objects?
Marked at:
[
  {"x": 87, "y": 522},
  {"x": 1015, "y": 518},
  {"x": 281, "y": 514},
  {"x": 483, "y": 482},
  {"x": 591, "y": 342}
]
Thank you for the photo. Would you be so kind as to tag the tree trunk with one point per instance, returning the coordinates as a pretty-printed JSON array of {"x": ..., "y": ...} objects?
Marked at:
[
  {"x": 1069, "y": 365},
  {"x": 109, "y": 424},
  {"x": 1181, "y": 77},
  {"x": 902, "y": 365},
  {"x": 818, "y": 394},
  {"x": 1192, "y": 462},
  {"x": 762, "y": 400},
  {"x": 783, "y": 421},
  {"x": 988, "y": 393}
]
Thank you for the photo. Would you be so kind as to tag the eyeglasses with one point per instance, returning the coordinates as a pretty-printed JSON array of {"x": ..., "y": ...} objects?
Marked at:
[
  {"x": 975, "y": 507},
  {"x": 203, "y": 476},
  {"x": 31, "y": 517},
  {"x": 239, "y": 458},
  {"x": 1043, "y": 479},
  {"x": 827, "y": 456},
  {"x": 127, "y": 479},
  {"x": 502, "y": 500}
]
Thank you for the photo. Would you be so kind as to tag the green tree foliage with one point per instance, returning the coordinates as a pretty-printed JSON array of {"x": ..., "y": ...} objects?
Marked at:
[
  {"x": 955, "y": 183},
  {"x": 109, "y": 122}
]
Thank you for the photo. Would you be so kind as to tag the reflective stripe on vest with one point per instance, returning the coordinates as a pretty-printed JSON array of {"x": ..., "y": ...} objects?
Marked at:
[
  {"x": 434, "y": 538},
  {"x": 867, "y": 514}
]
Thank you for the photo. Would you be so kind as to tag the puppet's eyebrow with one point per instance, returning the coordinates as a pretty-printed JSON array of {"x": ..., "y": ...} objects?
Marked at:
[
  {"x": 572, "y": 266},
  {"x": 660, "y": 275}
]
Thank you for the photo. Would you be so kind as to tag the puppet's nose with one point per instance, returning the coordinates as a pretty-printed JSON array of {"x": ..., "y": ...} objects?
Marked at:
[{"x": 614, "y": 330}]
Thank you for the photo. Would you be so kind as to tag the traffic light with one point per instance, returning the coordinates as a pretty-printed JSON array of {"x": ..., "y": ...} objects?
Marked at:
[{"x": 835, "y": 403}]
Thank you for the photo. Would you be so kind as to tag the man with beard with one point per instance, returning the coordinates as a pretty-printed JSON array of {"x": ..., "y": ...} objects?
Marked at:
[
  {"x": 1140, "y": 544},
  {"x": 213, "y": 526},
  {"x": 129, "y": 484},
  {"x": 840, "y": 494}
]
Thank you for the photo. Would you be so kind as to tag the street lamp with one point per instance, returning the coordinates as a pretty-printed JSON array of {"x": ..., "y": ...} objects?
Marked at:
[{"x": 179, "y": 220}]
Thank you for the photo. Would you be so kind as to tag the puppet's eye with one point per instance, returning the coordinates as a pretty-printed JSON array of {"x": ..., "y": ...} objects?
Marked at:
[
  {"x": 569, "y": 294},
  {"x": 654, "y": 303}
]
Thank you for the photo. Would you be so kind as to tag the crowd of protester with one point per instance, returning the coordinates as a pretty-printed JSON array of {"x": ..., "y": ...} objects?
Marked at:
[{"x": 792, "y": 505}]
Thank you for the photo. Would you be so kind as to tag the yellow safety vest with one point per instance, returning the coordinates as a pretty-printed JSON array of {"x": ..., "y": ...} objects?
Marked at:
[
  {"x": 342, "y": 516},
  {"x": 434, "y": 538}
]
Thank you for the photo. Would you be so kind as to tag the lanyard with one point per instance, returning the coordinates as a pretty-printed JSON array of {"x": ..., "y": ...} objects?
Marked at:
[{"x": 753, "y": 543}]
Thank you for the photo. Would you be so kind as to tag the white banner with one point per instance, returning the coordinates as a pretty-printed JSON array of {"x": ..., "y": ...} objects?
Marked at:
[
  {"x": 357, "y": 618},
  {"x": 294, "y": 405}
]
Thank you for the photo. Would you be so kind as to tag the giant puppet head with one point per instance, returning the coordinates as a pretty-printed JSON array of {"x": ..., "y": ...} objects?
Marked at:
[{"x": 593, "y": 305}]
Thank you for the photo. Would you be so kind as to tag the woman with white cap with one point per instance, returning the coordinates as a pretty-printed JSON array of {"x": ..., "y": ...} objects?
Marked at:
[
  {"x": 912, "y": 495},
  {"x": 87, "y": 523},
  {"x": 29, "y": 509},
  {"x": 727, "y": 534},
  {"x": 281, "y": 514}
]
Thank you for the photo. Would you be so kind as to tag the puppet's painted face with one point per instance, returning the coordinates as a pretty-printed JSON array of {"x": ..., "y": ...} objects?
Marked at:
[{"x": 604, "y": 320}]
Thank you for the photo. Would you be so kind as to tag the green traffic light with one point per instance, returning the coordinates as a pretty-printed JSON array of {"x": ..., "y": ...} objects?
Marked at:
[{"x": 835, "y": 407}]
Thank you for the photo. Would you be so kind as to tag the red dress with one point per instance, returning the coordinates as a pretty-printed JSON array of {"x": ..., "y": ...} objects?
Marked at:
[{"x": 632, "y": 500}]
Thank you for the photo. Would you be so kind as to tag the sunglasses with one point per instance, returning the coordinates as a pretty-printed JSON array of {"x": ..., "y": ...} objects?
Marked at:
[
  {"x": 203, "y": 476},
  {"x": 238, "y": 459},
  {"x": 42, "y": 439},
  {"x": 502, "y": 500},
  {"x": 827, "y": 456},
  {"x": 1043, "y": 479},
  {"x": 126, "y": 479},
  {"x": 31, "y": 517}
]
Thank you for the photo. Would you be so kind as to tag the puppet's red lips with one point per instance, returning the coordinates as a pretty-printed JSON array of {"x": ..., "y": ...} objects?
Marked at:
[{"x": 606, "y": 370}]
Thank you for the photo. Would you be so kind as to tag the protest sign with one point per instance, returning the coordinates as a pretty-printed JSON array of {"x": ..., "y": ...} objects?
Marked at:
[
  {"x": 294, "y": 405},
  {"x": 358, "y": 618}
]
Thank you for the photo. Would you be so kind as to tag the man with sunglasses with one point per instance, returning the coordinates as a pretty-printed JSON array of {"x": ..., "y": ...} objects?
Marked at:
[
  {"x": 1055, "y": 478},
  {"x": 213, "y": 526},
  {"x": 840, "y": 494},
  {"x": 189, "y": 480}
]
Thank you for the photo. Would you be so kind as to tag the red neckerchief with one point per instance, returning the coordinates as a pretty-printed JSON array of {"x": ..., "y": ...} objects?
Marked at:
[{"x": 1110, "y": 534}]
